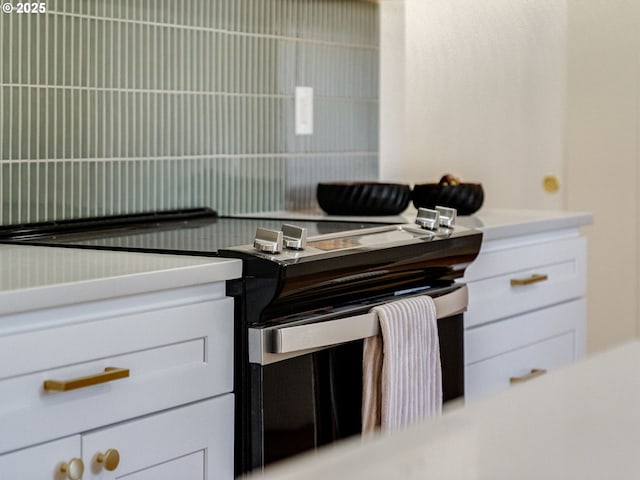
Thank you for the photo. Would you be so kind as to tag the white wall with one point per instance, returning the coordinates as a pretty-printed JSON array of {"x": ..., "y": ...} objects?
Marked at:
[
  {"x": 484, "y": 96},
  {"x": 602, "y": 157},
  {"x": 506, "y": 91},
  {"x": 392, "y": 85}
]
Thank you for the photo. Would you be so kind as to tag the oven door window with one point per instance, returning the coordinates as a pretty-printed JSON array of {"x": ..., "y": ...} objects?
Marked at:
[{"x": 312, "y": 400}]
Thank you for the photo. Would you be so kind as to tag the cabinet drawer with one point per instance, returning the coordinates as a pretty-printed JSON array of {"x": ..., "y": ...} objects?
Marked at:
[
  {"x": 192, "y": 442},
  {"x": 510, "y": 281},
  {"x": 545, "y": 339},
  {"x": 494, "y": 339},
  {"x": 494, "y": 374},
  {"x": 174, "y": 356}
]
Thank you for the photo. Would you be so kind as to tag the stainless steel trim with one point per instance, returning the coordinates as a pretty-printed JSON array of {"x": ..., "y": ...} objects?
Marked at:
[
  {"x": 269, "y": 345},
  {"x": 416, "y": 234},
  {"x": 403, "y": 227}
]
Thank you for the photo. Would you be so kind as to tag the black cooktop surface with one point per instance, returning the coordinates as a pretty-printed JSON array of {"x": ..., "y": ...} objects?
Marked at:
[{"x": 204, "y": 233}]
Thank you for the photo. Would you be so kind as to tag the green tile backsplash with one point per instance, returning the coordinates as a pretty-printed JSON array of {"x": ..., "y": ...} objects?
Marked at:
[{"x": 122, "y": 106}]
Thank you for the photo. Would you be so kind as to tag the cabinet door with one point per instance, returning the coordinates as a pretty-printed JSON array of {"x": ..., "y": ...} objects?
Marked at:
[
  {"x": 192, "y": 442},
  {"x": 42, "y": 462}
]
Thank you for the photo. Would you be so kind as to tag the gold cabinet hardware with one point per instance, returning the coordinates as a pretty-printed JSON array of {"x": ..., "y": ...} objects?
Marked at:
[
  {"x": 109, "y": 459},
  {"x": 535, "y": 278},
  {"x": 551, "y": 184},
  {"x": 535, "y": 372},
  {"x": 74, "y": 469},
  {"x": 109, "y": 374}
]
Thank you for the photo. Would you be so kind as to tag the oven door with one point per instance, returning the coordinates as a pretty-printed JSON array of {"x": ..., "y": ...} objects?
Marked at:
[{"x": 307, "y": 377}]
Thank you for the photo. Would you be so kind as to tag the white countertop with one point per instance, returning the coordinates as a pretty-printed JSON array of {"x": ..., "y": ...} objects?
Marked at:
[
  {"x": 495, "y": 223},
  {"x": 581, "y": 422},
  {"x": 498, "y": 223},
  {"x": 43, "y": 277}
]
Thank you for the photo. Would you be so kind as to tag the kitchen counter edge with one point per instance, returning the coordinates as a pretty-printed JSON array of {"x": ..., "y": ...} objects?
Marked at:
[{"x": 33, "y": 277}]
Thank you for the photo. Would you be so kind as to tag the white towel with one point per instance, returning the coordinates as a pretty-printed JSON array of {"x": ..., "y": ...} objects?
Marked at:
[{"x": 402, "y": 375}]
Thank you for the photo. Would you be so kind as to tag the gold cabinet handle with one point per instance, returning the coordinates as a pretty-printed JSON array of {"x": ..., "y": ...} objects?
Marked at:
[
  {"x": 74, "y": 469},
  {"x": 109, "y": 374},
  {"x": 109, "y": 459},
  {"x": 535, "y": 372},
  {"x": 535, "y": 278}
]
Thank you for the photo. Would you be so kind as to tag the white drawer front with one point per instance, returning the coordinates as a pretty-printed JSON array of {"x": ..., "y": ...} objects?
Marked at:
[
  {"x": 544, "y": 339},
  {"x": 192, "y": 442},
  {"x": 494, "y": 374},
  {"x": 492, "y": 295},
  {"x": 494, "y": 339},
  {"x": 174, "y": 356}
]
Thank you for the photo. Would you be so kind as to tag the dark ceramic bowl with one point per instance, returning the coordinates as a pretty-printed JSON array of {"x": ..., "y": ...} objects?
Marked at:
[
  {"x": 363, "y": 198},
  {"x": 466, "y": 198}
]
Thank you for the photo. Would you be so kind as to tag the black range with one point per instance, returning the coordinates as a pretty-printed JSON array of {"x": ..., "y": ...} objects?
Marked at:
[{"x": 293, "y": 398}]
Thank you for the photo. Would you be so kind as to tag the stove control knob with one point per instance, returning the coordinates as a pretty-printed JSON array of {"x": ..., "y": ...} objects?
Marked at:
[
  {"x": 428, "y": 219},
  {"x": 447, "y": 216},
  {"x": 268, "y": 241},
  {"x": 295, "y": 237}
]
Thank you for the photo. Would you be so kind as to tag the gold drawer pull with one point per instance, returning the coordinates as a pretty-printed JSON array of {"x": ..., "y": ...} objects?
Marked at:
[
  {"x": 535, "y": 372},
  {"x": 109, "y": 459},
  {"x": 109, "y": 374},
  {"x": 535, "y": 278}
]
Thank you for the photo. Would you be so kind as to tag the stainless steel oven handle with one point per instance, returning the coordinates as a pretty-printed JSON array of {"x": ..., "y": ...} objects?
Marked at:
[{"x": 271, "y": 345}]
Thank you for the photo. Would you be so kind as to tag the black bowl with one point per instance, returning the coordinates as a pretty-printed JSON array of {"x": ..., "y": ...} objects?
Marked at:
[
  {"x": 363, "y": 198},
  {"x": 466, "y": 198}
]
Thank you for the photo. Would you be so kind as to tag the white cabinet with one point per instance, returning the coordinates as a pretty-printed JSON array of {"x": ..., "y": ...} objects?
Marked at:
[
  {"x": 149, "y": 376},
  {"x": 190, "y": 442},
  {"x": 526, "y": 311}
]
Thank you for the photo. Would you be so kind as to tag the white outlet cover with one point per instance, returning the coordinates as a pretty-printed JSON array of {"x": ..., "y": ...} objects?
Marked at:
[{"x": 304, "y": 110}]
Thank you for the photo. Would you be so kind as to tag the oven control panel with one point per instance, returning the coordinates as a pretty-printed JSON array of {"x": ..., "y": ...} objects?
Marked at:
[{"x": 291, "y": 241}]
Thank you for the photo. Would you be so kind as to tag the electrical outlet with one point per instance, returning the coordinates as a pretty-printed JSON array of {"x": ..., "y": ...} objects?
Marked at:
[{"x": 304, "y": 110}]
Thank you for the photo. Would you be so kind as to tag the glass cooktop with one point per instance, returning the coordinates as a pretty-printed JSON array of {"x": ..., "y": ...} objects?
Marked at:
[{"x": 195, "y": 235}]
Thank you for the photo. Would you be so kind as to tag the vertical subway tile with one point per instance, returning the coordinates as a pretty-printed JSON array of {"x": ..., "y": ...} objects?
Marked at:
[
  {"x": 37, "y": 122},
  {"x": 21, "y": 126},
  {"x": 6, "y": 104},
  {"x": 22, "y": 35},
  {"x": 19, "y": 189},
  {"x": 5, "y": 194},
  {"x": 27, "y": 191},
  {"x": 4, "y": 125},
  {"x": 6, "y": 57},
  {"x": 122, "y": 106}
]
